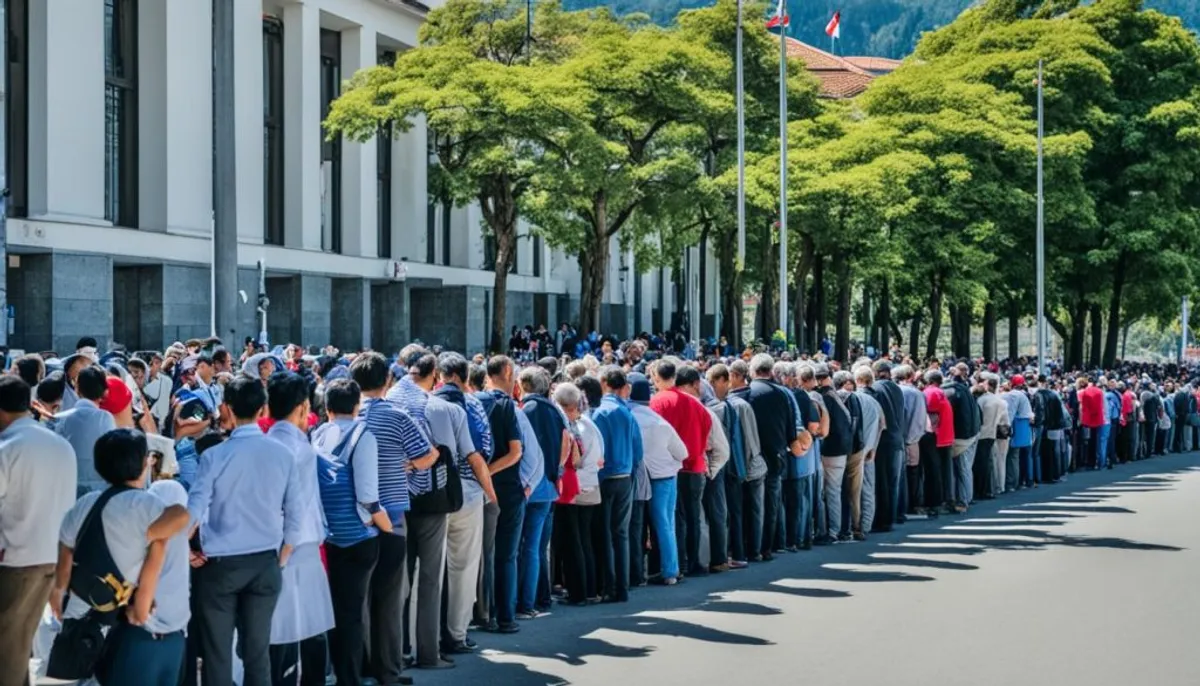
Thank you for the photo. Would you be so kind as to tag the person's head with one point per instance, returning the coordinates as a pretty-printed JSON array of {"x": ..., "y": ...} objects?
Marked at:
[
  {"x": 843, "y": 380},
  {"x": 205, "y": 369},
  {"x": 550, "y": 364},
  {"x": 718, "y": 378},
  {"x": 535, "y": 381},
  {"x": 613, "y": 380},
  {"x": 73, "y": 365},
  {"x": 902, "y": 373},
  {"x": 14, "y": 399},
  {"x": 784, "y": 373},
  {"x": 92, "y": 383},
  {"x": 821, "y": 373},
  {"x": 118, "y": 402},
  {"x": 477, "y": 377},
  {"x": 934, "y": 377},
  {"x": 342, "y": 398},
  {"x": 453, "y": 369},
  {"x": 882, "y": 369},
  {"x": 500, "y": 370},
  {"x": 761, "y": 366},
  {"x": 287, "y": 399},
  {"x": 138, "y": 370},
  {"x": 50, "y": 391},
  {"x": 31, "y": 369},
  {"x": 1081, "y": 383},
  {"x": 592, "y": 391},
  {"x": 122, "y": 457},
  {"x": 864, "y": 376},
  {"x": 222, "y": 361},
  {"x": 246, "y": 398},
  {"x": 370, "y": 371},
  {"x": 739, "y": 374},
  {"x": 663, "y": 374},
  {"x": 687, "y": 379},
  {"x": 422, "y": 369},
  {"x": 569, "y": 398}
]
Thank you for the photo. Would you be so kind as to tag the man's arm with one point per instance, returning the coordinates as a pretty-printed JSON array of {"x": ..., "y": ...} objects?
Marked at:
[
  {"x": 293, "y": 510},
  {"x": 482, "y": 475},
  {"x": 143, "y": 598},
  {"x": 62, "y": 579},
  {"x": 172, "y": 520}
]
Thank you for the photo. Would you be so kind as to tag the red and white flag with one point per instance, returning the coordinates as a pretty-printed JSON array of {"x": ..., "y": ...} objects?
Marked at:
[
  {"x": 834, "y": 28},
  {"x": 780, "y": 18}
]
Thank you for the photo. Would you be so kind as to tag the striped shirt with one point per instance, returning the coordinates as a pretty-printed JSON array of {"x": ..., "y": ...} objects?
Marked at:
[
  {"x": 413, "y": 399},
  {"x": 400, "y": 439}
]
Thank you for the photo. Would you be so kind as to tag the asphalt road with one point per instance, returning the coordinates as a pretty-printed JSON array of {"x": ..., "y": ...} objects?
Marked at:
[{"x": 1092, "y": 582}]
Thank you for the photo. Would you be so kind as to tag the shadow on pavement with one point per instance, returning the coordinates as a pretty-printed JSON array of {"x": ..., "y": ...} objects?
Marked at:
[{"x": 1015, "y": 522}]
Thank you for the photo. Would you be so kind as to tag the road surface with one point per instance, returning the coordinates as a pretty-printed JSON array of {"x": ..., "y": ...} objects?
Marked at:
[{"x": 1093, "y": 582}]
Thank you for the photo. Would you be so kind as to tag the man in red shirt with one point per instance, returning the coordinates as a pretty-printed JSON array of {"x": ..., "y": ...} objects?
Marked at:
[
  {"x": 1091, "y": 418},
  {"x": 939, "y": 477},
  {"x": 693, "y": 423}
]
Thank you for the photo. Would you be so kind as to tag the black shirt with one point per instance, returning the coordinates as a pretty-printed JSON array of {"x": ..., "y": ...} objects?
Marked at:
[
  {"x": 840, "y": 440},
  {"x": 776, "y": 423},
  {"x": 502, "y": 416}
]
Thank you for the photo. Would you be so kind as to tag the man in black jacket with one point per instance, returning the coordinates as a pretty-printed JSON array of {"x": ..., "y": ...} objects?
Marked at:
[
  {"x": 967, "y": 423},
  {"x": 889, "y": 461}
]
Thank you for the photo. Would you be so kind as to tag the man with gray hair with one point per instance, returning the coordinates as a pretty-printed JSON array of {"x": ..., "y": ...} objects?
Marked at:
[
  {"x": 995, "y": 428},
  {"x": 915, "y": 418},
  {"x": 750, "y": 532},
  {"x": 836, "y": 447},
  {"x": 782, "y": 437},
  {"x": 862, "y": 468},
  {"x": 889, "y": 466}
]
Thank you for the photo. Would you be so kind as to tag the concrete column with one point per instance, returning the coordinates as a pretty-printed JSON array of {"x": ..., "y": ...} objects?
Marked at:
[
  {"x": 248, "y": 122},
  {"x": 66, "y": 111},
  {"x": 359, "y": 196},
  {"x": 410, "y": 193},
  {"x": 175, "y": 149},
  {"x": 301, "y": 126},
  {"x": 350, "y": 314},
  {"x": 390, "y": 317},
  {"x": 316, "y": 293}
]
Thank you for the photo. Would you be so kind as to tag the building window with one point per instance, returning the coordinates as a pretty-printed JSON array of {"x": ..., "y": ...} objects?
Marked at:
[
  {"x": 537, "y": 255},
  {"x": 331, "y": 150},
  {"x": 17, "y": 107},
  {"x": 272, "y": 131},
  {"x": 383, "y": 177},
  {"x": 120, "y": 112}
]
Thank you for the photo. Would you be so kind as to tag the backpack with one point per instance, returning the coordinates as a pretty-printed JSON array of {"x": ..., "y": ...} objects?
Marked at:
[
  {"x": 335, "y": 479},
  {"x": 443, "y": 499}
]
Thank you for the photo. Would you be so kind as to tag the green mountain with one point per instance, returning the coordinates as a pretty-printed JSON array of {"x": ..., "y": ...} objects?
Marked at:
[{"x": 881, "y": 28}]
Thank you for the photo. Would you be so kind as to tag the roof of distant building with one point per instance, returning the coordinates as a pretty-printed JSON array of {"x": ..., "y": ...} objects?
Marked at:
[
  {"x": 840, "y": 77},
  {"x": 877, "y": 65}
]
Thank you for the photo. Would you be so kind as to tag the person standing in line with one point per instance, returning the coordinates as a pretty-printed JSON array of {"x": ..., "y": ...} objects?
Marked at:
[
  {"x": 37, "y": 488},
  {"x": 756, "y": 470},
  {"x": 890, "y": 455},
  {"x": 916, "y": 417},
  {"x": 782, "y": 437},
  {"x": 550, "y": 429},
  {"x": 994, "y": 427},
  {"x": 247, "y": 499},
  {"x": 966, "y": 435},
  {"x": 663, "y": 454},
  {"x": 1092, "y": 421},
  {"x": 623, "y": 454},
  {"x": 85, "y": 423},
  {"x": 863, "y": 508},
  {"x": 939, "y": 479},
  {"x": 716, "y": 455},
  {"x": 836, "y": 448}
]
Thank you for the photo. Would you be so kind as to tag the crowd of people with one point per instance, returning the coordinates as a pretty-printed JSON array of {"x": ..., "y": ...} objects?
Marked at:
[{"x": 353, "y": 516}]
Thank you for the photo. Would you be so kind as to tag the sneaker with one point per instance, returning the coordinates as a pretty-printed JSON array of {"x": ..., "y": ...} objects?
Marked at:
[
  {"x": 738, "y": 564},
  {"x": 508, "y": 628},
  {"x": 528, "y": 614},
  {"x": 717, "y": 569},
  {"x": 824, "y": 540},
  {"x": 859, "y": 536},
  {"x": 842, "y": 538}
]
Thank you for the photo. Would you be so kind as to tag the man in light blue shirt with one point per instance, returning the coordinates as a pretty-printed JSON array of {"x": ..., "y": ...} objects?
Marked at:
[
  {"x": 84, "y": 423},
  {"x": 247, "y": 501}
]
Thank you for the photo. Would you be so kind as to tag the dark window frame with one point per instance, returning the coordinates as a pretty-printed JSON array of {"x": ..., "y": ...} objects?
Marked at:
[
  {"x": 273, "y": 132},
  {"x": 383, "y": 177},
  {"x": 16, "y": 90},
  {"x": 331, "y": 150},
  {"x": 120, "y": 113}
]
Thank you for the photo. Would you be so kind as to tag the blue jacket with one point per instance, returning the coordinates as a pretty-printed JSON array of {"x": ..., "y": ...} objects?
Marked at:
[
  {"x": 622, "y": 437},
  {"x": 548, "y": 425}
]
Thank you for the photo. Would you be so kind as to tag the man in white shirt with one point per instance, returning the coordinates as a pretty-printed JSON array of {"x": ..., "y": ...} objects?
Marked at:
[
  {"x": 664, "y": 453},
  {"x": 37, "y": 487}
]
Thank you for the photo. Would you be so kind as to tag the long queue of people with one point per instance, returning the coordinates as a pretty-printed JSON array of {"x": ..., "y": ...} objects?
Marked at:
[{"x": 349, "y": 518}]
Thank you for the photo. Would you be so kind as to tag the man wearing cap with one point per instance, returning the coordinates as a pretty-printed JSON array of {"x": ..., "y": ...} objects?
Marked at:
[{"x": 85, "y": 423}]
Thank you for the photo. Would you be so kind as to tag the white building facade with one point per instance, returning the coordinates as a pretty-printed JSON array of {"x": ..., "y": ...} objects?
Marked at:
[{"x": 110, "y": 169}]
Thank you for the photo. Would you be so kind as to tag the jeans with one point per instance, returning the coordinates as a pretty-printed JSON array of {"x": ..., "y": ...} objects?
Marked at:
[
  {"x": 530, "y": 558},
  {"x": 1012, "y": 474},
  {"x": 964, "y": 483},
  {"x": 733, "y": 509},
  {"x": 616, "y": 497},
  {"x": 1035, "y": 451},
  {"x": 716, "y": 514},
  {"x": 797, "y": 499},
  {"x": 542, "y": 600},
  {"x": 350, "y": 570},
  {"x": 870, "y": 472},
  {"x": 752, "y": 517},
  {"x": 900, "y": 500},
  {"x": 772, "y": 513},
  {"x": 509, "y": 524},
  {"x": 835, "y": 469},
  {"x": 688, "y": 506},
  {"x": 135, "y": 656},
  {"x": 820, "y": 525},
  {"x": 662, "y": 517},
  {"x": 637, "y": 541}
]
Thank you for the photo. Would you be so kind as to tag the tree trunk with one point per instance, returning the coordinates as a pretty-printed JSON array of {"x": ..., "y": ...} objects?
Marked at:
[
  {"x": 800, "y": 307},
  {"x": 989, "y": 331},
  {"x": 935, "y": 318},
  {"x": 841, "y": 270},
  {"x": 499, "y": 210},
  {"x": 822, "y": 328},
  {"x": 884, "y": 319},
  {"x": 1078, "y": 333},
  {"x": 1125, "y": 337},
  {"x": 768, "y": 307},
  {"x": 593, "y": 265},
  {"x": 1014, "y": 329},
  {"x": 914, "y": 337},
  {"x": 955, "y": 330},
  {"x": 731, "y": 293},
  {"x": 1097, "y": 327},
  {"x": 866, "y": 319},
  {"x": 1114, "y": 314},
  {"x": 701, "y": 297}
]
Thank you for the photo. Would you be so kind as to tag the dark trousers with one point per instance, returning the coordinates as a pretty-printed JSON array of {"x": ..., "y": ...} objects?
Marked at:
[
  {"x": 350, "y": 570},
  {"x": 542, "y": 601},
  {"x": 136, "y": 656},
  {"x": 616, "y": 496},
  {"x": 300, "y": 664},
  {"x": 716, "y": 514},
  {"x": 939, "y": 479},
  {"x": 982, "y": 469},
  {"x": 508, "y": 545},
  {"x": 887, "y": 478},
  {"x": 752, "y": 516},
  {"x": 638, "y": 525},
  {"x": 772, "y": 512},
  {"x": 239, "y": 591},
  {"x": 1049, "y": 458},
  {"x": 385, "y": 608},
  {"x": 574, "y": 545},
  {"x": 917, "y": 487},
  {"x": 797, "y": 500},
  {"x": 688, "y": 506},
  {"x": 733, "y": 511}
]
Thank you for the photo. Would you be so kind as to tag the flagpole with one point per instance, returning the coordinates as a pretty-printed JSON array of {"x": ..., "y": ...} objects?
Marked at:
[
  {"x": 741, "y": 150},
  {"x": 783, "y": 121},
  {"x": 1041, "y": 249}
]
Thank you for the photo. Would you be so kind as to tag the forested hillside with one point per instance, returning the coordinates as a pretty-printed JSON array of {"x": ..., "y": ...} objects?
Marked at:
[{"x": 883, "y": 28}]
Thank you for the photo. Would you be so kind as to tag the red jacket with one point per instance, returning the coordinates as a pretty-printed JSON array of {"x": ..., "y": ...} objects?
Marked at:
[{"x": 690, "y": 420}]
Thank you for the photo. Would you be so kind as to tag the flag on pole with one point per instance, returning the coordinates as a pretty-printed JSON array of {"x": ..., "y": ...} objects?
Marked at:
[
  {"x": 780, "y": 18},
  {"x": 834, "y": 28}
]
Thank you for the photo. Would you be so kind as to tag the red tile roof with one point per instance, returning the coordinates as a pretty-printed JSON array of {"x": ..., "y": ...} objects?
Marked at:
[
  {"x": 839, "y": 77},
  {"x": 879, "y": 65}
]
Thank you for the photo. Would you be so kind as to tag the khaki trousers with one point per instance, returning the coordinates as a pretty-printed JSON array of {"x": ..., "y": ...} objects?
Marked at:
[
  {"x": 23, "y": 595},
  {"x": 853, "y": 482}
]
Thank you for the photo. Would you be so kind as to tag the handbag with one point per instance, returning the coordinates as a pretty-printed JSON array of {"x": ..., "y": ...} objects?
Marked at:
[
  {"x": 446, "y": 498},
  {"x": 78, "y": 649},
  {"x": 1003, "y": 431}
]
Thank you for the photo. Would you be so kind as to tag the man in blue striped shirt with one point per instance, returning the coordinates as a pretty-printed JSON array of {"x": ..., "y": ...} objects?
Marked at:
[{"x": 402, "y": 446}]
